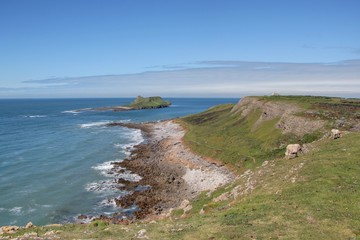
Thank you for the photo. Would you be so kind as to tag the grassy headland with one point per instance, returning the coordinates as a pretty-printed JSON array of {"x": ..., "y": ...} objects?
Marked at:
[
  {"x": 139, "y": 103},
  {"x": 314, "y": 196},
  {"x": 149, "y": 102},
  {"x": 259, "y": 128}
]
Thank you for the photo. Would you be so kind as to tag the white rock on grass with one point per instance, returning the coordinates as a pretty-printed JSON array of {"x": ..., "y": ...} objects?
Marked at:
[{"x": 142, "y": 234}]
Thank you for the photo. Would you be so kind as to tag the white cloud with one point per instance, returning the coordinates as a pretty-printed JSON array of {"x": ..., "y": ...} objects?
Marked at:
[{"x": 208, "y": 79}]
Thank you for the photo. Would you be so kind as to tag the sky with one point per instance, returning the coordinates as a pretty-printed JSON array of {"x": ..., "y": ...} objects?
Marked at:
[{"x": 178, "y": 48}]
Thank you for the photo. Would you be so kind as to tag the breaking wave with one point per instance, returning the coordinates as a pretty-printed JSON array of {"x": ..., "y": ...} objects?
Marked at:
[
  {"x": 94, "y": 124},
  {"x": 35, "y": 116}
]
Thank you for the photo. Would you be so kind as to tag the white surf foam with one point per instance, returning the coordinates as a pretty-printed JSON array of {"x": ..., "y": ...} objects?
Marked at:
[
  {"x": 134, "y": 138},
  {"x": 137, "y": 137},
  {"x": 94, "y": 124},
  {"x": 109, "y": 202},
  {"x": 129, "y": 176},
  {"x": 71, "y": 111},
  {"x": 35, "y": 116},
  {"x": 16, "y": 211},
  {"x": 103, "y": 186},
  {"x": 108, "y": 169}
]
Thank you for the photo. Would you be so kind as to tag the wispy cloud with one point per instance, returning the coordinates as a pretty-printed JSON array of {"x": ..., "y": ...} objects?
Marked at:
[{"x": 209, "y": 79}]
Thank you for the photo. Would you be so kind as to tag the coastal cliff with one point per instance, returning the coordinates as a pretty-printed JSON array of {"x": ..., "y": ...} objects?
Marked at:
[{"x": 256, "y": 129}]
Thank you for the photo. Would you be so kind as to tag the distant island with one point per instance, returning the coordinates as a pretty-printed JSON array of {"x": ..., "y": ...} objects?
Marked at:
[{"x": 140, "y": 103}]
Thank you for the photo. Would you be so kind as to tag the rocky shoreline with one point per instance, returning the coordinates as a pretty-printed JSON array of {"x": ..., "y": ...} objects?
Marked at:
[{"x": 171, "y": 173}]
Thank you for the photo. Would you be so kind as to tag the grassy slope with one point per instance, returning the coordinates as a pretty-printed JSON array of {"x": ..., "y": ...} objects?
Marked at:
[
  {"x": 314, "y": 196},
  {"x": 220, "y": 134},
  {"x": 323, "y": 203}
]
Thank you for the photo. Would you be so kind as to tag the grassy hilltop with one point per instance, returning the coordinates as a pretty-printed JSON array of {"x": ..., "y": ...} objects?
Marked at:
[
  {"x": 313, "y": 196},
  {"x": 149, "y": 102}
]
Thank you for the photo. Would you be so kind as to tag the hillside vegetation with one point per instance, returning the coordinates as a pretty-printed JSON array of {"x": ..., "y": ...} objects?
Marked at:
[
  {"x": 149, "y": 102},
  {"x": 259, "y": 128},
  {"x": 313, "y": 196}
]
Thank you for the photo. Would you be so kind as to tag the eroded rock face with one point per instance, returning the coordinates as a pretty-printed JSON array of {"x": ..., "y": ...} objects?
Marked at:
[
  {"x": 292, "y": 150},
  {"x": 288, "y": 122},
  {"x": 335, "y": 133}
]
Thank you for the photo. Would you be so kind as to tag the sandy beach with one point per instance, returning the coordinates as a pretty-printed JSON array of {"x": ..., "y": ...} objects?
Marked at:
[{"x": 171, "y": 173}]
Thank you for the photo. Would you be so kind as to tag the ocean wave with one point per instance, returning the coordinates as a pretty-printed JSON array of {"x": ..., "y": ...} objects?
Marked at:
[
  {"x": 16, "y": 211},
  {"x": 35, "y": 116},
  {"x": 108, "y": 168},
  {"x": 125, "y": 147},
  {"x": 103, "y": 186},
  {"x": 128, "y": 176},
  {"x": 72, "y": 111},
  {"x": 77, "y": 111},
  {"x": 94, "y": 124},
  {"x": 135, "y": 137},
  {"x": 109, "y": 202}
]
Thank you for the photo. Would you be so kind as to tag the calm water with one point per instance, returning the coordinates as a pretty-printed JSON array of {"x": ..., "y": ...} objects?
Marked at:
[{"x": 54, "y": 162}]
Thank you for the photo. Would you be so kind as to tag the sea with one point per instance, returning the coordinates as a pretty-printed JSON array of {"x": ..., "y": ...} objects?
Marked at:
[{"x": 55, "y": 160}]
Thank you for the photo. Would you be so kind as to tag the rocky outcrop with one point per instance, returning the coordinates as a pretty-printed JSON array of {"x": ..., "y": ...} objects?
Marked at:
[{"x": 289, "y": 121}]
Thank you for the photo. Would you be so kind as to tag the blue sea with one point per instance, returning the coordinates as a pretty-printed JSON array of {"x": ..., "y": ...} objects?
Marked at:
[{"x": 55, "y": 161}]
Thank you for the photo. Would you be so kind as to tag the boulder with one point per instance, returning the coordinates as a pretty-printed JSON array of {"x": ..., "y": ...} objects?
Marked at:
[
  {"x": 10, "y": 229},
  {"x": 292, "y": 150},
  {"x": 29, "y": 225},
  {"x": 142, "y": 234},
  {"x": 335, "y": 133},
  {"x": 185, "y": 205}
]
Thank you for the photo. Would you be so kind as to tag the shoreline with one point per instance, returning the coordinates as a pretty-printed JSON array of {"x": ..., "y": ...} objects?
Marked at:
[{"x": 170, "y": 171}]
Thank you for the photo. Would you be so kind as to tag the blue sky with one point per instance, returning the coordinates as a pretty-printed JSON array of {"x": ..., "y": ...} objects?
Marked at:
[{"x": 219, "y": 48}]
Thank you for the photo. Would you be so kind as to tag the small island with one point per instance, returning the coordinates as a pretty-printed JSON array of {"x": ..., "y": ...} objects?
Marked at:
[{"x": 140, "y": 103}]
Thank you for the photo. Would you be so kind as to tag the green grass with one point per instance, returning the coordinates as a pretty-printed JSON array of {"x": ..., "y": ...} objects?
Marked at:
[
  {"x": 149, "y": 102},
  {"x": 241, "y": 144},
  {"x": 220, "y": 134}
]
